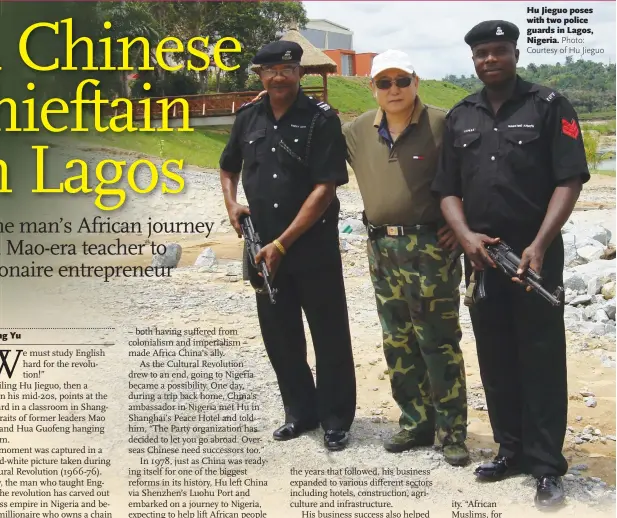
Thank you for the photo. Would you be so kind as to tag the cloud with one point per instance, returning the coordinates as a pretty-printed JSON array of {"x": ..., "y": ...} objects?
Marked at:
[
  {"x": 367, "y": 7},
  {"x": 432, "y": 32}
]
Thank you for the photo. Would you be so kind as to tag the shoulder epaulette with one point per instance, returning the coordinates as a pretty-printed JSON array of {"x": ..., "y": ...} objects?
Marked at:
[
  {"x": 546, "y": 94},
  {"x": 325, "y": 108}
]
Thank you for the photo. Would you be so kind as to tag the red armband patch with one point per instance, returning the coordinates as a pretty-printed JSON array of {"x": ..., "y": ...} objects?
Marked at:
[{"x": 569, "y": 128}]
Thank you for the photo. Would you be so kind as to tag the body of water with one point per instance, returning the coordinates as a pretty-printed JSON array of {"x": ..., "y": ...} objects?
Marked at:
[{"x": 607, "y": 165}]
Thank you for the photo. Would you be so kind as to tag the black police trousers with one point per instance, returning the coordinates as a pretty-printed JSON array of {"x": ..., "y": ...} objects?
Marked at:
[
  {"x": 521, "y": 345},
  {"x": 320, "y": 292}
]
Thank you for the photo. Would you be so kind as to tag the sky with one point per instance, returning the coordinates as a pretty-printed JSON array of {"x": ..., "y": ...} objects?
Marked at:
[{"x": 432, "y": 32}]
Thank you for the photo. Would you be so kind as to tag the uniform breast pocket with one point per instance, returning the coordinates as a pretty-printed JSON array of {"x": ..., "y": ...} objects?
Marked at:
[
  {"x": 253, "y": 147},
  {"x": 467, "y": 146},
  {"x": 292, "y": 152},
  {"x": 522, "y": 149}
]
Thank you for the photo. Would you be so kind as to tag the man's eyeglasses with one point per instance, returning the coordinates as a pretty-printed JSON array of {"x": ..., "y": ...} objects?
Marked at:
[
  {"x": 285, "y": 72},
  {"x": 401, "y": 82}
]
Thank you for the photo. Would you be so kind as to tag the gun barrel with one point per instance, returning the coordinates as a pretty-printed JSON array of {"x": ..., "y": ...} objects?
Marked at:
[
  {"x": 508, "y": 262},
  {"x": 254, "y": 247},
  {"x": 271, "y": 294},
  {"x": 543, "y": 292}
]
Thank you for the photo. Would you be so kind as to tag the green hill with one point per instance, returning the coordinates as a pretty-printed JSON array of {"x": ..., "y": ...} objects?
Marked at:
[
  {"x": 350, "y": 95},
  {"x": 588, "y": 85}
]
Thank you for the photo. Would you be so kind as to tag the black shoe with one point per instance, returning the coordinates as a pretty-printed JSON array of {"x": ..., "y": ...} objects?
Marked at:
[
  {"x": 336, "y": 440},
  {"x": 497, "y": 469},
  {"x": 292, "y": 430},
  {"x": 549, "y": 492}
]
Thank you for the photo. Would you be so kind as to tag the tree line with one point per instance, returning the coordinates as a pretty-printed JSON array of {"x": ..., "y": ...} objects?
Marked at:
[
  {"x": 253, "y": 24},
  {"x": 588, "y": 85}
]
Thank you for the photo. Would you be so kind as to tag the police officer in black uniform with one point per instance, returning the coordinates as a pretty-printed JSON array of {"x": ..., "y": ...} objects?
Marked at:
[
  {"x": 512, "y": 167},
  {"x": 291, "y": 151}
]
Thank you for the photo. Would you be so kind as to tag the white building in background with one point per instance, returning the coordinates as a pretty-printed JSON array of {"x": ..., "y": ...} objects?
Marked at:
[
  {"x": 336, "y": 41},
  {"x": 327, "y": 35}
]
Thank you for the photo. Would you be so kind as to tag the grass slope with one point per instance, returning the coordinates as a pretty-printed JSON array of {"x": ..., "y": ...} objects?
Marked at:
[
  {"x": 352, "y": 95},
  {"x": 203, "y": 147}
]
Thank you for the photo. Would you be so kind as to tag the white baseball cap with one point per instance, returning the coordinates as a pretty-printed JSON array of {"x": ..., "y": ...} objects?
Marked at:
[{"x": 392, "y": 59}]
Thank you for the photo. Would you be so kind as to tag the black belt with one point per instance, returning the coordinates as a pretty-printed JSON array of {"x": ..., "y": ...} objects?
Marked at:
[{"x": 375, "y": 232}]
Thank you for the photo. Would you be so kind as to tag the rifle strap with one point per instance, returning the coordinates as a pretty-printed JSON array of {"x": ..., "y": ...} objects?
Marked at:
[
  {"x": 304, "y": 161},
  {"x": 290, "y": 152},
  {"x": 468, "y": 301},
  {"x": 310, "y": 136}
]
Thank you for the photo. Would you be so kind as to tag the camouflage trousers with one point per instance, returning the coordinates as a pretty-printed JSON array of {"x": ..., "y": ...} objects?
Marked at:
[{"x": 417, "y": 292}]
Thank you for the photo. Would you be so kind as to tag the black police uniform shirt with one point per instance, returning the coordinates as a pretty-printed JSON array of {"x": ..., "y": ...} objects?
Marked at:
[
  {"x": 280, "y": 168},
  {"x": 506, "y": 166}
]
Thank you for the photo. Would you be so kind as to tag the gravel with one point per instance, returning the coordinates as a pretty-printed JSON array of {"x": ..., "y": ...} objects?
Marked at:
[{"x": 191, "y": 298}]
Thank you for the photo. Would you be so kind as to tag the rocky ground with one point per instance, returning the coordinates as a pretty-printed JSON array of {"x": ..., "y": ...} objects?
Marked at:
[{"x": 213, "y": 293}]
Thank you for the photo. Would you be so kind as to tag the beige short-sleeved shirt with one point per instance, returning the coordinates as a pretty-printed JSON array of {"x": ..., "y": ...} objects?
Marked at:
[{"x": 395, "y": 183}]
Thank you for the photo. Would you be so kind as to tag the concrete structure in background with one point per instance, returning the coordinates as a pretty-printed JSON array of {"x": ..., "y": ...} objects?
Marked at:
[
  {"x": 336, "y": 42},
  {"x": 326, "y": 35}
]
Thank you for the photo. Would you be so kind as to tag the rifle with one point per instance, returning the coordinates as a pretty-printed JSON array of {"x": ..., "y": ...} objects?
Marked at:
[
  {"x": 252, "y": 247},
  {"x": 507, "y": 261}
]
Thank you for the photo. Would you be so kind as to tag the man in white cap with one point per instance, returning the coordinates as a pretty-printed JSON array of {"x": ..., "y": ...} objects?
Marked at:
[{"x": 394, "y": 151}]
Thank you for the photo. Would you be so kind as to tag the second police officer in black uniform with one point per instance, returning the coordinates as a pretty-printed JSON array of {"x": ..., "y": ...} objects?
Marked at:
[
  {"x": 291, "y": 152},
  {"x": 512, "y": 168}
]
